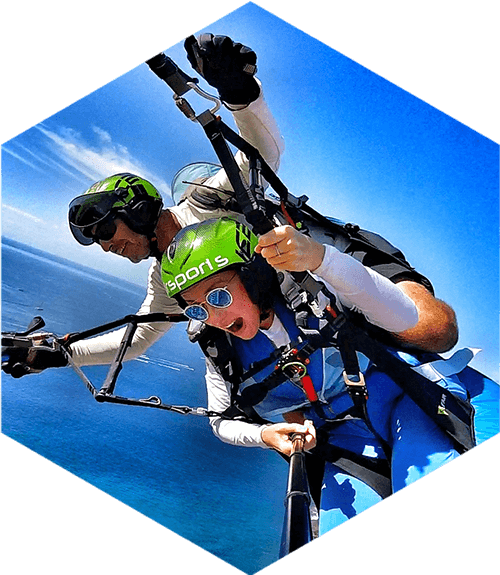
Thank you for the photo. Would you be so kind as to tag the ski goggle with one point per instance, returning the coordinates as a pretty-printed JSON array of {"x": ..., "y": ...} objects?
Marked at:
[
  {"x": 219, "y": 298},
  {"x": 90, "y": 216}
]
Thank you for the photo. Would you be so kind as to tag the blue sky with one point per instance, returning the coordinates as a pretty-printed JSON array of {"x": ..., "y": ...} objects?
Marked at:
[{"x": 363, "y": 150}]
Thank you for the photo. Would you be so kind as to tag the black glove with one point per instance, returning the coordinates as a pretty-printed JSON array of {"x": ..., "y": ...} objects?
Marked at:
[
  {"x": 19, "y": 361},
  {"x": 226, "y": 65}
]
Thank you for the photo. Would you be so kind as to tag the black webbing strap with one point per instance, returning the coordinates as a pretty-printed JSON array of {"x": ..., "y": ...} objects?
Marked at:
[
  {"x": 375, "y": 472},
  {"x": 451, "y": 413},
  {"x": 252, "y": 205}
]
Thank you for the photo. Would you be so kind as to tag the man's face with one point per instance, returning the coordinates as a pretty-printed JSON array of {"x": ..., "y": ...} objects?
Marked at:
[{"x": 127, "y": 243}]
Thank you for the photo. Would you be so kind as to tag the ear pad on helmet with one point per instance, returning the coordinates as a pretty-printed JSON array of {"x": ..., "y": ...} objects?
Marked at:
[
  {"x": 142, "y": 217},
  {"x": 260, "y": 281}
]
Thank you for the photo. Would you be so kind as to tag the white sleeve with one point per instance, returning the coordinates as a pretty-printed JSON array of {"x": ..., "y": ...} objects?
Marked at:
[
  {"x": 362, "y": 289},
  {"x": 102, "y": 349},
  {"x": 228, "y": 430},
  {"x": 259, "y": 128},
  {"x": 256, "y": 125}
]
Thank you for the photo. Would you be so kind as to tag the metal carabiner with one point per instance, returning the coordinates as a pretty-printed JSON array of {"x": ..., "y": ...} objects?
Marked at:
[{"x": 186, "y": 108}]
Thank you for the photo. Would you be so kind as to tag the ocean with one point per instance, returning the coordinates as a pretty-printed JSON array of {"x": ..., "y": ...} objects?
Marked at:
[{"x": 169, "y": 467}]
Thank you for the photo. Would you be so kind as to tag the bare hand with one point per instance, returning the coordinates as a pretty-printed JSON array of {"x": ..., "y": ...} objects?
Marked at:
[
  {"x": 285, "y": 248},
  {"x": 277, "y": 436}
]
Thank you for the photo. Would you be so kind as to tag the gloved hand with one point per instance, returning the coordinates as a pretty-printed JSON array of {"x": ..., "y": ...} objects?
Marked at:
[
  {"x": 226, "y": 65},
  {"x": 19, "y": 361}
]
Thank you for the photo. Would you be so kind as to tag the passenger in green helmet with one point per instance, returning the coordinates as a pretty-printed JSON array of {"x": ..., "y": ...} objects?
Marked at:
[
  {"x": 226, "y": 278},
  {"x": 213, "y": 254}
]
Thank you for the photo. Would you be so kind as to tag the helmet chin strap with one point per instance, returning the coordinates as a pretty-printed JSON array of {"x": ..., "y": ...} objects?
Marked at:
[
  {"x": 154, "y": 251},
  {"x": 166, "y": 228}
]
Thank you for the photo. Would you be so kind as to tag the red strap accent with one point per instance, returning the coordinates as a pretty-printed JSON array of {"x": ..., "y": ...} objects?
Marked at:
[
  {"x": 287, "y": 215},
  {"x": 331, "y": 311},
  {"x": 308, "y": 386}
]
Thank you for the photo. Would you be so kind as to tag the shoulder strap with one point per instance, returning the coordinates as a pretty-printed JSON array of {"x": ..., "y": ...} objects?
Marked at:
[{"x": 217, "y": 348}]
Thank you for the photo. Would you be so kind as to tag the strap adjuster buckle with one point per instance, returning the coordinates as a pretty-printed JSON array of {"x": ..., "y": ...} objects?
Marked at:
[{"x": 356, "y": 387}]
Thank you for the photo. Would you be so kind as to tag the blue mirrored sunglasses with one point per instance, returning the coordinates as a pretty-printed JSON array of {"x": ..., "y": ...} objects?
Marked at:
[{"x": 219, "y": 298}]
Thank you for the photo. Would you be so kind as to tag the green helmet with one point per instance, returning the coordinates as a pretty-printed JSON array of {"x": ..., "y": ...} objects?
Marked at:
[
  {"x": 131, "y": 198},
  {"x": 201, "y": 250}
]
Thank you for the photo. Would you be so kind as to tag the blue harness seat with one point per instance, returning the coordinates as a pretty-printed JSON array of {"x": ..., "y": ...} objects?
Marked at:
[{"x": 417, "y": 444}]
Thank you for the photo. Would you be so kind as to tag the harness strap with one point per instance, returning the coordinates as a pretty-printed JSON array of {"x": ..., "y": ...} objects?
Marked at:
[
  {"x": 454, "y": 415},
  {"x": 374, "y": 472},
  {"x": 451, "y": 413},
  {"x": 356, "y": 386},
  {"x": 252, "y": 205}
]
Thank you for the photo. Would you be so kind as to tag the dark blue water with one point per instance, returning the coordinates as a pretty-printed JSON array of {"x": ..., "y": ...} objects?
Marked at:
[{"x": 228, "y": 500}]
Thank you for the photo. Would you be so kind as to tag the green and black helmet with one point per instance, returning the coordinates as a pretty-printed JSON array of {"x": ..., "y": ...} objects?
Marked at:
[
  {"x": 201, "y": 250},
  {"x": 126, "y": 196}
]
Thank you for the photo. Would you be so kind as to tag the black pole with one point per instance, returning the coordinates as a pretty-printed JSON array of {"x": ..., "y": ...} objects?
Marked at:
[
  {"x": 145, "y": 318},
  {"x": 114, "y": 371},
  {"x": 297, "y": 528}
]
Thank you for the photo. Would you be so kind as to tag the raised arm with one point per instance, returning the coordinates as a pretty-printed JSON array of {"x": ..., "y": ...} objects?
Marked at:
[{"x": 407, "y": 310}]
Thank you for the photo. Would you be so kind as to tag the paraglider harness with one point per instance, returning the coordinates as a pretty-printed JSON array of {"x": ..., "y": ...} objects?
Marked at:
[{"x": 301, "y": 290}]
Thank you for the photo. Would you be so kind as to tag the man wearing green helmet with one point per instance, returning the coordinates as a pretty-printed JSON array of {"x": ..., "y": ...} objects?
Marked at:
[
  {"x": 121, "y": 205},
  {"x": 124, "y": 213},
  {"x": 129, "y": 220},
  {"x": 225, "y": 277}
]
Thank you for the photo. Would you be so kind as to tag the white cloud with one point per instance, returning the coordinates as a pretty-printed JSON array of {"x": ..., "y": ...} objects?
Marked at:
[
  {"x": 103, "y": 135},
  {"x": 17, "y": 212},
  {"x": 21, "y": 158},
  {"x": 96, "y": 162}
]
